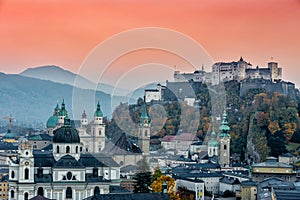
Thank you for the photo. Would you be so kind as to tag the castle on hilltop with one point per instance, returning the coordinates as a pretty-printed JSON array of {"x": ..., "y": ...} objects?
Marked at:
[{"x": 236, "y": 70}]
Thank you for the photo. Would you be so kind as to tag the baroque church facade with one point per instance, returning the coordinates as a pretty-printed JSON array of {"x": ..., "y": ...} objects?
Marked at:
[{"x": 66, "y": 172}]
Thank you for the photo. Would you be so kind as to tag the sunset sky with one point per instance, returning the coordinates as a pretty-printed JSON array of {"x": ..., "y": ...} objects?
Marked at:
[{"x": 48, "y": 32}]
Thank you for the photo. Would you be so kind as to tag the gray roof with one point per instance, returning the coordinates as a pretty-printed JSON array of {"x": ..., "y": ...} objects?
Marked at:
[
  {"x": 68, "y": 162},
  {"x": 230, "y": 181},
  {"x": 133, "y": 196},
  {"x": 287, "y": 194}
]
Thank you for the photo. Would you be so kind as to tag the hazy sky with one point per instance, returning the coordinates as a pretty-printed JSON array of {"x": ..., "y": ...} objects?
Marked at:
[{"x": 48, "y": 32}]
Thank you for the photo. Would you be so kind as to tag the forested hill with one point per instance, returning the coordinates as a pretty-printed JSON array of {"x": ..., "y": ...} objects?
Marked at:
[{"x": 262, "y": 123}]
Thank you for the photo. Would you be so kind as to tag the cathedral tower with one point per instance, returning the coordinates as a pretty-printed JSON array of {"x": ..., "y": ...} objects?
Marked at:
[
  {"x": 224, "y": 140},
  {"x": 62, "y": 113},
  {"x": 144, "y": 131},
  {"x": 84, "y": 120},
  {"x": 98, "y": 131}
]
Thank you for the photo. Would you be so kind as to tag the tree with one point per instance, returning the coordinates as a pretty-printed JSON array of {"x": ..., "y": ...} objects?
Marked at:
[
  {"x": 157, "y": 186},
  {"x": 143, "y": 178},
  {"x": 157, "y": 174}
]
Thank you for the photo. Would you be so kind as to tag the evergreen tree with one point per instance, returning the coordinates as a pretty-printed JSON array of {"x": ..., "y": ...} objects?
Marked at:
[{"x": 143, "y": 178}]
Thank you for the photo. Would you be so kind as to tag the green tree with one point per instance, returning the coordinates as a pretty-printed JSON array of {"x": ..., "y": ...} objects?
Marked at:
[
  {"x": 143, "y": 178},
  {"x": 157, "y": 173}
]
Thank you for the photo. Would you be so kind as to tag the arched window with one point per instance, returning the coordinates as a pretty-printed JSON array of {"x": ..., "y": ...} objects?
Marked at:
[
  {"x": 146, "y": 133},
  {"x": 69, "y": 193},
  {"x": 26, "y": 174},
  {"x": 225, "y": 147},
  {"x": 12, "y": 174},
  {"x": 68, "y": 149},
  {"x": 40, "y": 191},
  {"x": 57, "y": 149},
  {"x": 80, "y": 149},
  {"x": 12, "y": 194},
  {"x": 96, "y": 191},
  {"x": 76, "y": 149},
  {"x": 26, "y": 196},
  {"x": 99, "y": 132}
]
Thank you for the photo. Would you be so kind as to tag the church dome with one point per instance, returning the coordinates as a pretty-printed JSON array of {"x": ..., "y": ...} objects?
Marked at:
[
  {"x": 213, "y": 142},
  {"x": 66, "y": 133},
  {"x": 52, "y": 122}
]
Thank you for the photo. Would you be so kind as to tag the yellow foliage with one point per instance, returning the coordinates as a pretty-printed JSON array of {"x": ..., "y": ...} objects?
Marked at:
[{"x": 156, "y": 186}]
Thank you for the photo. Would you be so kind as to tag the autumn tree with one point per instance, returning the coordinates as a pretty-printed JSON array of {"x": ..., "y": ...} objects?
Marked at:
[{"x": 156, "y": 186}]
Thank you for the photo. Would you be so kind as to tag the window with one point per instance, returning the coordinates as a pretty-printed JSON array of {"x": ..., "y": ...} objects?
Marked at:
[
  {"x": 80, "y": 149},
  {"x": 69, "y": 175},
  {"x": 76, "y": 149},
  {"x": 225, "y": 147},
  {"x": 95, "y": 171},
  {"x": 96, "y": 191},
  {"x": 69, "y": 193},
  {"x": 146, "y": 132},
  {"x": 57, "y": 149},
  {"x": 68, "y": 149},
  {"x": 12, "y": 194},
  {"x": 99, "y": 132},
  {"x": 40, "y": 191},
  {"x": 26, "y": 175},
  {"x": 26, "y": 196},
  {"x": 12, "y": 174}
]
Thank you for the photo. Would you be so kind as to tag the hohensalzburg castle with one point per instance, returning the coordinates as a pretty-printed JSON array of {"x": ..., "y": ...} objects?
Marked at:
[{"x": 223, "y": 71}]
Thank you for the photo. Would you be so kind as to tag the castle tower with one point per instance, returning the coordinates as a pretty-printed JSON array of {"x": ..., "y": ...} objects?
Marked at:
[
  {"x": 144, "y": 131},
  {"x": 213, "y": 145},
  {"x": 26, "y": 169},
  {"x": 66, "y": 141},
  {"x": 224, "y": 141},
  {"x": 98, "y": 131},
  {"x": 62, "y": 113},
  {"x": 84, "y": 120}
]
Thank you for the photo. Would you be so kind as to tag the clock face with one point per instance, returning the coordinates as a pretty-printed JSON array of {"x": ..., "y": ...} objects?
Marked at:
[{"x": 26, "y": 163}]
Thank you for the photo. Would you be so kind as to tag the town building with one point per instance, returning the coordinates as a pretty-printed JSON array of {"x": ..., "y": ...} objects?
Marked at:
[
  {"x": 272, "y": 168},
  {"x": 67, "y": 172},
  {"x": 196, "y": 186}
]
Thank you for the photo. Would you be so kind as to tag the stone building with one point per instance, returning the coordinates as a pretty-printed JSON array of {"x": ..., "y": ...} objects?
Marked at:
[
  {"x": 66, "y": 172},
  {"x": 272, "y": 168}
]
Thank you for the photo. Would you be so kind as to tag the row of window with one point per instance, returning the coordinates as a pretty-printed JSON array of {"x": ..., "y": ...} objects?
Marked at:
[
  {"x": 40, "y": 192},
  {"x": 68, "y": 149}
]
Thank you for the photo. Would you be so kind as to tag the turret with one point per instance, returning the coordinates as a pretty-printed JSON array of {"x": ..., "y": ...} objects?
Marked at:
[{"x": 84, "y": 120}]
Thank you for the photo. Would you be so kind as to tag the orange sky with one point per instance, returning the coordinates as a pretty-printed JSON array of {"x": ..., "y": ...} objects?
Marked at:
[{"x": 35, "y": 32}]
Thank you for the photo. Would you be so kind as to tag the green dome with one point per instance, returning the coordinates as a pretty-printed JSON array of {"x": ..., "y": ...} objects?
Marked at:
[
  {"x": 66, "y": 133},
  {"x": 98, "y": 112},
  {"x": 52, "y": 122},
  {"x": 213, "y": 142},
  {"x": 9, "y": 136}
]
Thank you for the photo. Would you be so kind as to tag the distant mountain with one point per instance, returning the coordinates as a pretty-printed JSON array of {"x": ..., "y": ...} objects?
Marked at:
[
  {"x": 31, "y": 100},
  {"x": 59, "y": 75}
]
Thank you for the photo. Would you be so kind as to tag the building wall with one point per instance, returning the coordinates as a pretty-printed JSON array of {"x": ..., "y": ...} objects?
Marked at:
[
  {"x": 248, "y": 192},
  {"x": 197, "y": 187}
]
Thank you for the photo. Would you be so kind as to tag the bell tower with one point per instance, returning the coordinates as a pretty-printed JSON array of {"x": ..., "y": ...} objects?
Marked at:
[
  {"x": 144, "y": 131},
  {"x": 224, "y": 142},
  {"x": 26, "y": 169},
  {"x": 98, "y": 131}
]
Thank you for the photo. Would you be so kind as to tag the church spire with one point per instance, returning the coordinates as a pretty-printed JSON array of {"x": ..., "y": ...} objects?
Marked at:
[
  {"x": 144, "y": 115},
  {"x": 224, "y": 128},
  {"x": 98, "y": 112}
]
